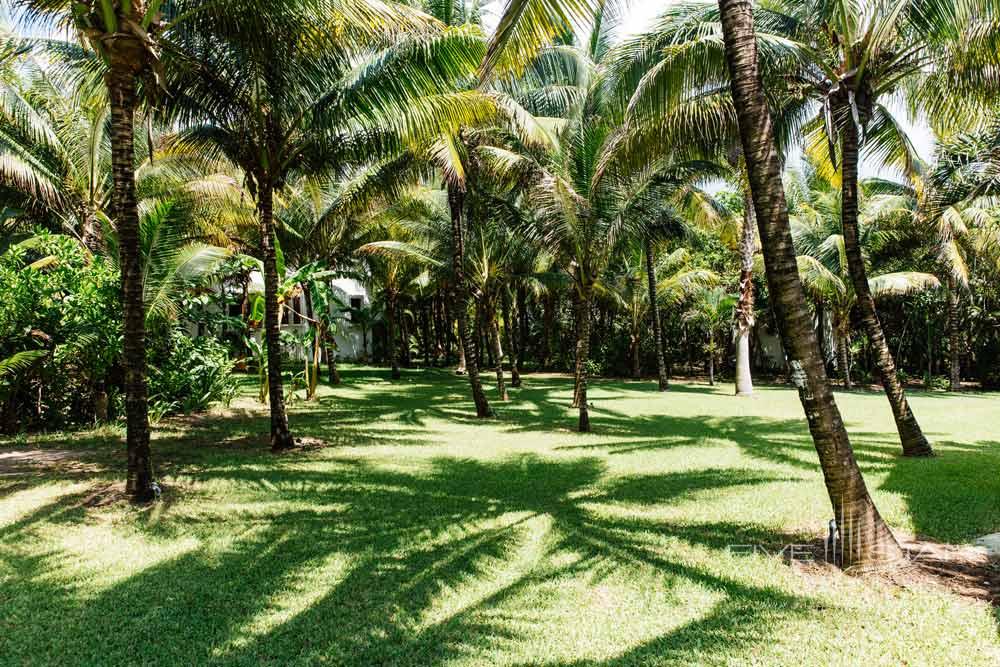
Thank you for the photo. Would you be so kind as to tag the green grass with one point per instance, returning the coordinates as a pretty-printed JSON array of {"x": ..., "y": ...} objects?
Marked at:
[{"x": 419, "y": 536}]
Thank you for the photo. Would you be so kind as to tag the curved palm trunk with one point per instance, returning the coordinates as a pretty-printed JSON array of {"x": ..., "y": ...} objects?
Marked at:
[
  {"x": 865, "y": 538},
  {"x": 654, "y": 314},
  {"x": 954, "y": 338},
  {"x": 122, "y": 92},
  {"x": 390, "y": 324},
  {"x": 582, "y": 354},
  {"x": 456, "y": 202},
  {"x": 910, "y": 435},
  {"x": 744, "y": 308},
  {"x": 281, "y": 437}
]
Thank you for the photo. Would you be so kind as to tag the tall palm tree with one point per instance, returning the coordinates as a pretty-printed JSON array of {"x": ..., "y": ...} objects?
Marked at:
[
  {"x": 125, "y": 36},
  {"x": 955, "y": 204},
  {"x": 865, "y": 537},
  {"x": 823, "y": 263},
  {"x": 304, "y": 86}
]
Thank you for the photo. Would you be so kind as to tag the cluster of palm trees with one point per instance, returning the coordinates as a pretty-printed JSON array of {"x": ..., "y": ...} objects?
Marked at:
[{"x": 491, "y": 169}]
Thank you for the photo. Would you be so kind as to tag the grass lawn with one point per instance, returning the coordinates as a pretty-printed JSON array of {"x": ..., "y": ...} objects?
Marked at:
[{"x": 419, "y": 536}]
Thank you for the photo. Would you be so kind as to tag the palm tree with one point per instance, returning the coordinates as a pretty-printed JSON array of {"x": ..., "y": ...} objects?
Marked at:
[
  {"x": 124, "y": 35},
  {"x": 712, "y": 309},
  {"x": 865, "y": 537},
  {"x": 816, "y": 228},
  {"x": 956, "y": 200},
  {"x": 283, "y": 88}
]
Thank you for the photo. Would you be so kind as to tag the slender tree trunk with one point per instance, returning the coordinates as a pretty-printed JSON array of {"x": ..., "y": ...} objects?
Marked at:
[
  {"x": 865, "y": 538},
  {"x": 843, "y": 355},
  {"x": 333, "y": 375},
  {"x": 522, "y": 328},
  {"x": 548, "y": 324},
  {"x": 404, "y": 336},
  {"x": 582, "y": 354},
  {"x": 711, "y": 360},
  {"x": 281, "y": 437},
  {"x": 494, "y": 333},
  {"x": 390, "y": 325},
  {"x": 121, "y": 82},
  {"x": 654, "y": 314},
  {"x": 954, "y": 338},
  {"x": 511, "y": 340},
  {"x": 745, "y": 306},
  {"x": 633, "y": 348},
  {"x": 425, "y": 331},
  {"x": 911, "y": 437},
  {"x": 460, "y": 367},
  {"x": 456, "y": 201},
  {"x": 577, "y": 331},
  {"x": 91, "y": 234}
]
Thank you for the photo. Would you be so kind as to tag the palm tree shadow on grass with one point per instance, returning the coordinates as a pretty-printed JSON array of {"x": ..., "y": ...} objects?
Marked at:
[{"x": 382, "y": 552}]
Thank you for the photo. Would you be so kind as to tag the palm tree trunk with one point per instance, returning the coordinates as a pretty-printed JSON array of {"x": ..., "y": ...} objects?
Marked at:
[
  {"x": 122, "y": 92},
  {"x": 522, "y": 327},
  {"x": 333, "y": 375},
  {"x": 548, "y": 324},
  {"x": 511, "y": 340},
  {"x": 654, "y": 314},
  {"x": 494, "y": 334},
  {"x": 390, "y": 324},
  {"x": 865, "y": 538},
  {"x": 281, "y": 437},
  {"x": 577, "y": 328},
  {"x": 91, "y": 234},
  {"x": 582, "y": 354},
  {"x": 456, "y": 202},
  {"x": 744, "y": 308},
  {"x": 954, "y": 338},
  {"x": 634, "y": 354},
  {"x": 711, "y": 360},
  {"x": 843, "y": 359},
  {"x": 910, "y": 435}
]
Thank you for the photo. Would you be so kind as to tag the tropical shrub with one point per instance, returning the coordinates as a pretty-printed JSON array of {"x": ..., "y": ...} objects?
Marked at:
[
  {"x": 60, "y": 306},
  {"x": 191, "y": 374}
]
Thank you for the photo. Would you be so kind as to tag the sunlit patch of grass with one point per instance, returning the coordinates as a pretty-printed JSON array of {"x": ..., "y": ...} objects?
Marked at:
[{"x": 422, "y": 536}]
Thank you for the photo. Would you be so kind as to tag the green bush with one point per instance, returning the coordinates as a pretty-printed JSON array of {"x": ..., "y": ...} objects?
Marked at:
[{"x": 192, "y": 375}]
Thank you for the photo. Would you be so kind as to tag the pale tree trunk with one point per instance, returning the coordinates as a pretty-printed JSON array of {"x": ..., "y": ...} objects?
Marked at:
[
  {"x": 456, "y": 202},
  {"x": 865, "y": 538},
  {"x": 954, "y": 338},
  {"x": 281, "y": 437},
  {"x": 654, "y": 315},
  {"x": 910, "y": 435},
  {"x": 121, "y": 82},
  {"x": 745, "y": 306},
  {"x": 582, "y": 354}
]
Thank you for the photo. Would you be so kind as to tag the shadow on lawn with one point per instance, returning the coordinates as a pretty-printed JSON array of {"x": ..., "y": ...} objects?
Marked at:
[
  {"x": 382, "y": 551},
  {"x": 351, "y": 563}
]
